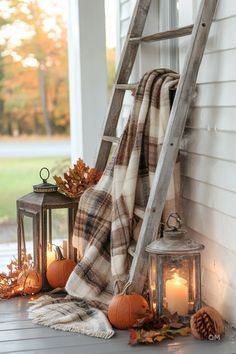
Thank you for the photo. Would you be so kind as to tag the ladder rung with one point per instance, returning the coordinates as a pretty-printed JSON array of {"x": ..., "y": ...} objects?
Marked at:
[
  {"x": 111, "y": 139},
  {"x": 179, "y": 32},
  {"x": 126, "y": 86},
  {"x": 139, "y": 212}
]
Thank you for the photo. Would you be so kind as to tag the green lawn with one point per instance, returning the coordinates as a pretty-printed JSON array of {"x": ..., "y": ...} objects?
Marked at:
[{"x": 18, "y": 175}]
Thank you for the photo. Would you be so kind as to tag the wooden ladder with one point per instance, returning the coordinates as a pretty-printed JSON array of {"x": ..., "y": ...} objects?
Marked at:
[{"x": 177, "y": 120}]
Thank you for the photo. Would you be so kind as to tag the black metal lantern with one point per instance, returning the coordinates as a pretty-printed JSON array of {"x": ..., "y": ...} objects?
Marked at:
[
  {"x": 36, "y": 211},
  {"x": 175, "y": 271}
]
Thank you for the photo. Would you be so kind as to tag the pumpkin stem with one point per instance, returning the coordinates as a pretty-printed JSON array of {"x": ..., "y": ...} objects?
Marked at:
[
  {"x": 126, "y": 287},
  {"x": 59, "y": 255}
]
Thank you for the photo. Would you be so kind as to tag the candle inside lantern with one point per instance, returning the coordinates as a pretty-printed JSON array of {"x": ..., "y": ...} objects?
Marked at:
[
  {"x": 50, "y": 254},
  {"x": 177, "y": 295}
]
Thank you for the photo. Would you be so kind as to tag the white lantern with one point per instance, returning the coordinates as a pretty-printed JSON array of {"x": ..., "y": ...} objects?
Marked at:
[{"x": 175, "y": 271}]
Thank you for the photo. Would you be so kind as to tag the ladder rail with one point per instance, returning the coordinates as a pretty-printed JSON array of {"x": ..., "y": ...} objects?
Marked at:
[{"x": 171, "y": 143}]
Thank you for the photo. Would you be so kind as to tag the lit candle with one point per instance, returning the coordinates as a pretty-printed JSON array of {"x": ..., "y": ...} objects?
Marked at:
[
  {"x": 177, "y": 295},
  {"x": 50, "y": 254}
]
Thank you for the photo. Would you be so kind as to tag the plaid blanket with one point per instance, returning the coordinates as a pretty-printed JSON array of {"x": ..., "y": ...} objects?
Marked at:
[
  {"x": 105, "y": 225},
  {"x": 71, "y": 314}
]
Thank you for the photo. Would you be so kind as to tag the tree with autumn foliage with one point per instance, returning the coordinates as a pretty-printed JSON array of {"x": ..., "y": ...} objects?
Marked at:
[{"x": 35, "y": 85}]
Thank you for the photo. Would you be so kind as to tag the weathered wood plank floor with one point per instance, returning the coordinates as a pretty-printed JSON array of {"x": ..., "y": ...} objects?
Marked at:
[{"x": 19, "y": 335}]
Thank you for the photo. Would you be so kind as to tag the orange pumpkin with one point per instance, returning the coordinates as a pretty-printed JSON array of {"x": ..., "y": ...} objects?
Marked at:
[
  {"x": 29, "y": 282},
  {"x": 59, "y": 270},
  {"x": 125, "y": 309}
]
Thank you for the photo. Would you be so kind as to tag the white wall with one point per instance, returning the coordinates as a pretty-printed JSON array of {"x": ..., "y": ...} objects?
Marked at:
[
  {"x": 148, "y": 56},
  {"x": 209, "y": 153},
  {"x": 209, "y": 158}
]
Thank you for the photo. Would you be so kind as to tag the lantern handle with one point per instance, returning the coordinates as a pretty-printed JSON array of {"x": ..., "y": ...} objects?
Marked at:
[
  {"x": 178, "y": 222},
  {"x": 48, "y": 174}
]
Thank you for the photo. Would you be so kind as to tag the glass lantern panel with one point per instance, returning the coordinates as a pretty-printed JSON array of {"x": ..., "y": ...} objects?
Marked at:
[
  {"x": 57, "y": 229},
  {"x": 27, "y": 244},
  {"x": 179, "y": 283},
  {"x": 174, "y": 283},
  {"x": 153, "y": 283}
]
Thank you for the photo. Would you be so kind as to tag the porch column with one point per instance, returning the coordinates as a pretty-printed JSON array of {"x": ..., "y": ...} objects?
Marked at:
[{"x": 87, "y": 76}]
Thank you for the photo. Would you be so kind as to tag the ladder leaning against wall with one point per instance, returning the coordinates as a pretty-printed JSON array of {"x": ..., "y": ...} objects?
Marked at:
[{"x": 177, "y": 120}]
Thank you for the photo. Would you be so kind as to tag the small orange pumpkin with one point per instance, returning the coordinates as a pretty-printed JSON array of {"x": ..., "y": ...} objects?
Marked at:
[
  {"x": 125, "y": 309},
  {"x": 29, "y": 282},
  {"x": 59, "y": 270}
]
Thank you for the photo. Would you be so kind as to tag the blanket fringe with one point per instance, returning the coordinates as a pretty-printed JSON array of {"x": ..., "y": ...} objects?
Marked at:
[
  {"x": 41, "y": 320},
  {"x": 41, "y": 308}
]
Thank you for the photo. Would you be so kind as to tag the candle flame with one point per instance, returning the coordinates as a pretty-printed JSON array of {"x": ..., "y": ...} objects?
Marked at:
[{"x": 178, "y": 280}]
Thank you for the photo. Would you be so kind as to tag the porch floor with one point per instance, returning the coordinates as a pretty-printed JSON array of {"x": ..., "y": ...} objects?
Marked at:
[{"x": 19, "y": 335}]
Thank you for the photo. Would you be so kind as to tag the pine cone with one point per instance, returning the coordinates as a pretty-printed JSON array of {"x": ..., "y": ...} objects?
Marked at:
[{"x": 207, "y": 323}]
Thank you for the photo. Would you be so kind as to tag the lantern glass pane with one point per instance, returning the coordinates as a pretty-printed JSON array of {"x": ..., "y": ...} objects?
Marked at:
[
  {"x": 153, "y": 283},
  {"x": 173, "y": 283},
  {"x": 57, "y": 232},
  {"x": 179, "y": 287},
  {"x": 60, "y": 223},
  {"x": 27, "y": 236}
]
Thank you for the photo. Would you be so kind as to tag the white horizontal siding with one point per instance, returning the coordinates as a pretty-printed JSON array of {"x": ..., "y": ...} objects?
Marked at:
[
  {"x": 210, "y": 118},
  {"x": 211, "y": 196},
  {"x": 209, "y": 161},
  {"x": 213, "y": 224},
  {"x": 218, "y": 259},
  {"x": 218, "y": 277},
  {"x": 124, "y": 10},
  {"x": 148, "y": 54},
  {"x": 217, "y": 145},
  {"x": 216, "y": 94},
  {"x": 225, "y": 8},
  {"x": 221, "y": 35},
  {"x": 124, "y": 26},
  {"x": 219, "y": 173},
  {"x": 222, "y": 66}
]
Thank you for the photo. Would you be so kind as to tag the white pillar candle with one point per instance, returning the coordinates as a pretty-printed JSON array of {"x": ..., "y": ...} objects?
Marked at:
[{"x": 177, "y": 295}]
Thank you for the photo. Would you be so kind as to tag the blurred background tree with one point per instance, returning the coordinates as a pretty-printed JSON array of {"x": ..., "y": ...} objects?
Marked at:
[
  {"x": 33, "y": 74},
  {"x": 34, "y": 96}
]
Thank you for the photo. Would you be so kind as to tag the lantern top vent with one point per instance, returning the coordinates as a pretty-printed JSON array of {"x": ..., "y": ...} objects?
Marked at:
[
  {"x": 44, "y": 187},
  {"x": 175, "y": 240}
]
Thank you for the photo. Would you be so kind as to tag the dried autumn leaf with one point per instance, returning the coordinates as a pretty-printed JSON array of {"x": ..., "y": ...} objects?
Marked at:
[
  {"x": 8, "y": 282},
  {"x": 159, "y": 338},
  {"x": 184, "y": 331},
  {"x": 149, "y": 317},
  {"x": 153, "y": 328},
  {"x": 133, "y": 336},
  {"x": 146, "y": 340},
  {"x": 77, "y": 179},
  {"x": 176, "y": 325}
]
